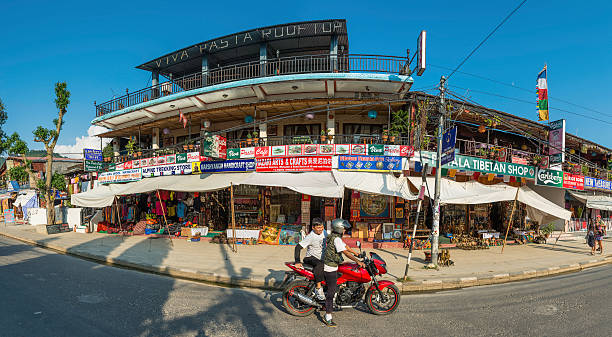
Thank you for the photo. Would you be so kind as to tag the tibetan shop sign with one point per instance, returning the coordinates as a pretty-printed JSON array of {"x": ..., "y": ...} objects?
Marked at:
[
  {"x": 551, "y": 178},
  {"x": 226, "y": 166},
  {"x": 597, "y": 183},
  {"x": 294, "y": 164},
  {"x": 166, "y": 170},
  {"x": 573, "y": 181},
  {"x": 369, "y": 163},
  {"x": 490, "y": 166},
  {"x": 122, "y": 176}
]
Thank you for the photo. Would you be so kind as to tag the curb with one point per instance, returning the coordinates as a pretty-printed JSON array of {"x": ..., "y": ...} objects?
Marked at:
[{"x": 242, "y": 282}]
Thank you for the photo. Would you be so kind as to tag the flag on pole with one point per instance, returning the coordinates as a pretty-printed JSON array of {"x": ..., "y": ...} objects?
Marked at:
[{"x": 542, "y": 90}]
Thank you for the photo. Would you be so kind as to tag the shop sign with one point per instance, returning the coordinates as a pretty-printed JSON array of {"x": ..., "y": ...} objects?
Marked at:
[
  {"x": 119, "y": 166},
  {"x": 294, "y": 164},
  {"x": 556, "y": 139},
  {"x": 262, "y": 151},
  {"x": 280, "y": 150},
  {"x": 214, "y": 146},
  {"x": 519, "y": 160},
  {"x": 369, "y": 163},
  {"x": 294, "y": 150},
  {"x": 127, "y": 165},
  {"x": 161, "y": 160},
  {"x": 597, "y": 183},
  {"x": 242, "y": 165},
  {"x": 92, "y": 155},
  {"x": 376, "y": 150},
  {"x": 93, "y": 166},
  {"x": 193, "y": 157},
  {"x": 343, "y": 149},
  {"x": 392, "y": 150},
  {"x": 491, "y": 166},
  {"x": 122, "y": 176},
  {"x": 171, "y": 159},
  {"x": 136, "y": 163},
  {"x": 233, "y": 153},
  {"x": 166, "y": 170},
  {"x": 324, "y": 149},
  {"x": 181, "y": 158},
  {"x": 573, "y": 181},
  {"x": 359, "y": 149},
  {"x": 449, "y": 138},
  {"x": 552, "y": 178},
  {"x": 247, "y": 152},
  {"x": 310, "y": 149},
  {"x": 406, "y": 151}
]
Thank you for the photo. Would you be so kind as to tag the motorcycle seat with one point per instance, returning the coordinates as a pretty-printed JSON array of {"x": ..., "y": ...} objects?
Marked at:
[{"x": 308, "y": 267}]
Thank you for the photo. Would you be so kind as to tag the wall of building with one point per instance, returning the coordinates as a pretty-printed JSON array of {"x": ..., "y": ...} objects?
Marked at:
[{"x": 555, "y": 195}]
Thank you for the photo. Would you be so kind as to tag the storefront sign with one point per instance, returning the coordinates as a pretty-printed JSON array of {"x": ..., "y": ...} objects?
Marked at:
[
  {"x": 181, "y": 158},
  {"x": 597, "y": 183},
  {"x": 280, "y": 150},
  {"x": 262, "y": 151},
  {"x": 369, "y": 163},
  {"x": 120, "y": 176},
  {"x": 556, "y": 140},
  {"x": 519, "y": 160},
  {"x": 93, "y": 166},
  {"x": 490, "y": 166},
  {"x": 92, "y": 155},
  {"x": 343, "y": 149},
  {"x": 193, "y": 157},
  {"x": 294, "y": 164},
  {"x": 227, "y": 166},
  {"x": 573, "y": 181},
  {"x": 376, "y": 150},
  {"x": 166, "y": 170},
  {"x": 247, "y": 152},
  {"x": 449, "y": 139},
  {"x": 392, "y": 150},
  {"x": 552, "y": 178},
  {"x": 233, "y": 153},
  {"x": 324, "y": 149}
]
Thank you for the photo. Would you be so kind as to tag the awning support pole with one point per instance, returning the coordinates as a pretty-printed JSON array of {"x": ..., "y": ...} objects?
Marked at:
[
  {"x": 233, "y": 241},
  {"x": 511, "y": 216},
  {"x": 119, "y": 217},
  {"x": 342, "y": 203},
  {"x": 416, "y": 221},
  {"x": 164, "y": 214}
]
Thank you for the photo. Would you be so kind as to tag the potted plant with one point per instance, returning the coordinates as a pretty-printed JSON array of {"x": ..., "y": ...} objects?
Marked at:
[
  {"x": 393, "y": 135},
  {"x": 138, "y": 151},
  {"x": 323, "y": 135},
  {"x": 255, "y": 137},
  {"x": 190, "y": 144},
  {"x": 249, "y": 138},
  {"x": 385, "y": 135},
  {"x": 547, "y": 230},
  {"x": 185, "y": 147},
  {"x": 585, "y": 170}
]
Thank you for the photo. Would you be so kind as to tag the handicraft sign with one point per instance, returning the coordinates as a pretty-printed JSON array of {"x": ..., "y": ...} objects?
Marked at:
[
  {"x": 226, "y": 166},
  {"x": 552, "y": 178},
  {"x": 369, "y": 163},
  {"x": 120, "y": 176},
  {"x": 294, "y": 164}
]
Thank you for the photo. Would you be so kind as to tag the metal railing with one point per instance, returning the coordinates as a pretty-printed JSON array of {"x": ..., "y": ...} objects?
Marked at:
[
  {"x": 312, "y": 139},
  {"x": 281, "y": 66}
]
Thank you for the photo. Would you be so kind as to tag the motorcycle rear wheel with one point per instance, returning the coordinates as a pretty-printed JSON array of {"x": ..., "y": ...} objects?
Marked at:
[
  {"x": 291, "y": 304},
  {"x": 384, "y": 303}
]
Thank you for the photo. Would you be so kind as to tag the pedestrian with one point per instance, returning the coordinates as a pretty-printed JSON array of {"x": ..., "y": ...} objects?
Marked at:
[
  {"x": 600, "y": 231},
  {"x": 590, "y": 237}
]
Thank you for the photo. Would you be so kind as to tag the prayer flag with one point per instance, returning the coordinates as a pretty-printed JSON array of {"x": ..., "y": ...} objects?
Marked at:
[{"x": 542, "y": 90}]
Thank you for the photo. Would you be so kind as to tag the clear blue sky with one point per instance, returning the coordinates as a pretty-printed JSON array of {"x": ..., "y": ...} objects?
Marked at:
[{"x": 94, "y": 46}]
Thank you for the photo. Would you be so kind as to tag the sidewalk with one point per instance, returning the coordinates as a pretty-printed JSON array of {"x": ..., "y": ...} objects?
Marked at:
[{"x": 263, "y": 266}]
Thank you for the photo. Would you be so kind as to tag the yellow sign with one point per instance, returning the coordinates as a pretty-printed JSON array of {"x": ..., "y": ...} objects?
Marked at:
[{"x": 195, "y": 168}]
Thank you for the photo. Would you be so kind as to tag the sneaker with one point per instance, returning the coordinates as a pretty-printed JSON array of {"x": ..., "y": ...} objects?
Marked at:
[
  {"x": 320, "y": 295},
  {"x": 331, "y": 323}
]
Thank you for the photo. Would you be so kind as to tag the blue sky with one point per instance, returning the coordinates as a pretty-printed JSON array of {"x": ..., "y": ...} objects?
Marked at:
[{"x": 94, "y": 46}]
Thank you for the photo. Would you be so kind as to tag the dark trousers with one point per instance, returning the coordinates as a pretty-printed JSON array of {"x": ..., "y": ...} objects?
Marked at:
[
  {"x": 330, "y": 279},
  {"x": 317, "y": 266}
]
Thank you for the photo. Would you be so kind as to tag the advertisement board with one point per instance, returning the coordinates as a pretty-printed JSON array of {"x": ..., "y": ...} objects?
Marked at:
[
  {"x": 93, "y": 155},
  {"x": 369, "y": 163},
  {"x": 92, "y": 165},
  {"x": 166, "y": 170},
  {"x": 243, "y": 165},
  {"x": 573, "y": 181},
  {"x": 597, "y": 183},
  {"x": 551, "y": 178},
  {"x": 122, "y": 176},
  {"x": 294, "y": 164},
  {"x": 556, "y": 140},
  {"x": 214, "y": 146}
]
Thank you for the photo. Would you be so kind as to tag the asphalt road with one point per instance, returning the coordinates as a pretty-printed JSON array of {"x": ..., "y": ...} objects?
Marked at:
[{"x": 48, "y": 294}]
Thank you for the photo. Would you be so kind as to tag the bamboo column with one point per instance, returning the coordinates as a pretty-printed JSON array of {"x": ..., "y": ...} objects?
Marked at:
[{"x": 511, "y": 216}]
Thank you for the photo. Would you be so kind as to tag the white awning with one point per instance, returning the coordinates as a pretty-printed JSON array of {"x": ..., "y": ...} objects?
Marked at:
[
  {"x": 100, "y": 196},
  {"x": 375, "y": 183},
  {"x": 596, "y": 201},
  {"x": 320, "y": 184},
  {"x": 473, "y": 192}
]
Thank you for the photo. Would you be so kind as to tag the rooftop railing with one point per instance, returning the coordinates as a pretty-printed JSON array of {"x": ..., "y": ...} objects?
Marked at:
[{"x": 272, "y": 67}]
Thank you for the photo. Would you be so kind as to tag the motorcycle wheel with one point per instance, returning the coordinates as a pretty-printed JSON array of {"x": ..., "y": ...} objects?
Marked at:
[
  {"x": 291, "y": 304},
  {"x": 384, "y": 303}
]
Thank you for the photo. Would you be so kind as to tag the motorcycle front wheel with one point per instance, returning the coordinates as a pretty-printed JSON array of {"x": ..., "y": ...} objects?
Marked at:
[
  {"x": 383, "y": 303},
  {"x": 292, "y": 304}
]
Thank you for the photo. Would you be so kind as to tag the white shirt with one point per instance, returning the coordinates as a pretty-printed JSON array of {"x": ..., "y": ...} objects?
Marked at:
[
  {"x": 313, "y": 243},
  {"x": 340, "y": 247}
]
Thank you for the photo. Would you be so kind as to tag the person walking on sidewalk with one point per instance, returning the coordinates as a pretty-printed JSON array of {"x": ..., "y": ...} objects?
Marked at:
[
  {"x": 314, "y": 243},
  {"x": 590, "y": 237},
  {"x": 332, "y": 258},
  {"x": 600, "y": 231}
]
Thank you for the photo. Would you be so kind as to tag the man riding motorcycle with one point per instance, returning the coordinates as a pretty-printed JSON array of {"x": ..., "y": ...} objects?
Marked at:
[
  {"x": 332, "y": 258},
  {"x": 314, "y": 243}
]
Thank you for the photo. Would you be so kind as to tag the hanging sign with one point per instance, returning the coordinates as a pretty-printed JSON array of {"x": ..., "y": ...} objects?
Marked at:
[
  {"x": 597, "y": 183},
  {"x": 556, "y": 140},
  {"x": 93, "y": 155},
  {"x": 369, "y": 163},
  {"x": 573, "y": 181},
  {"x": 294, "y": 164},
  {"x": 551, "y": 178},
  {"x": 166, "y": 170},
  {"x": 122, "y": 176},
  {"x": 214, "y": 146},
  {"x": 449, "y": 138},
  {"x": 93, "y": 166},
  {"x": 227, "y": 166}
]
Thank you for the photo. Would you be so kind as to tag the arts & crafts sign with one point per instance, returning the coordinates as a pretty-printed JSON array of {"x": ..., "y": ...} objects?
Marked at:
[{"x": 294, "y": 164}]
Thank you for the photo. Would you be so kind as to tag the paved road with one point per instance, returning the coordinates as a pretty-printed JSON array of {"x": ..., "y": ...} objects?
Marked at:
[{"x": 48, "y": 294}]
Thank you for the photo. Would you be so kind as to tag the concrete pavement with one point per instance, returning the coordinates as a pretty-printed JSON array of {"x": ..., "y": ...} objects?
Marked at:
[{"x": 263, "y": 266}]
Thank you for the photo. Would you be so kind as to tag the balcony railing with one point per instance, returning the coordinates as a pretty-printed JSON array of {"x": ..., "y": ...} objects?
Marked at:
[{"x": 280, "y": 66}]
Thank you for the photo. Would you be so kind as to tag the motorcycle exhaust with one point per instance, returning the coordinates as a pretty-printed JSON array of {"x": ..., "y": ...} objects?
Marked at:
[{"x": 306, "y": 300}]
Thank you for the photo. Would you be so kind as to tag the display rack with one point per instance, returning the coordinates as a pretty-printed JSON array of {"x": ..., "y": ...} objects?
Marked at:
[{"x": 247, "y": 206}]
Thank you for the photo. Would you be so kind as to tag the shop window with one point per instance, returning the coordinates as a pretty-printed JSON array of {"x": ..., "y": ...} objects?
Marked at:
[{"x": 302, "y": 130}]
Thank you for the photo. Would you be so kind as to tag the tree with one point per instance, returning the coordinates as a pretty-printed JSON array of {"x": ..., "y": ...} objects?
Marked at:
[{"x": 3, "y": 116}]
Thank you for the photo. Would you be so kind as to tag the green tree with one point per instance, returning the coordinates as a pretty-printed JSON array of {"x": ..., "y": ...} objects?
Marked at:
[
  {"x": 19, "y": 174},
  {"x": 108, "y": 151},
  {"x": 3, "y": 116}
]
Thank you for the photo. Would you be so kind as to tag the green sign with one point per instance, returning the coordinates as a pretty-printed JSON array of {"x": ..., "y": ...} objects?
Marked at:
[
  {"x": 233, "y": 153},
  {"x": 93, "y": 166},
  {"x": 479, "y": 165},
  {"x": 552, "y": 178},
  {"x": 301, "y": 140},
  {"x": 376, "y": 150},
  {"x": 181, "y": 158},
  {"x": 112, "y": 166}
]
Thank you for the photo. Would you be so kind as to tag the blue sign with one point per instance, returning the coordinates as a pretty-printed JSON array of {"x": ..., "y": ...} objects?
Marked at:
[
  {"x": 448, "y": 145},
  {"x": 91, "y": 154},
  {"x": 597, "y": 183},
  {"x": 369, "y": 163},
  {"x": 227, "y": 166}
]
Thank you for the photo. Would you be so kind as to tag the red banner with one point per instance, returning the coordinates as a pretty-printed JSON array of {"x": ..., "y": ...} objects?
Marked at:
[
  {"x": 294, "y": 164},
  {"x": 573, "y": 181}
]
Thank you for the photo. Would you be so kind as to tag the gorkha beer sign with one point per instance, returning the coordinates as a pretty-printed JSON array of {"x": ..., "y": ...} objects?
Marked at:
[{"x": 552, "y": 178}]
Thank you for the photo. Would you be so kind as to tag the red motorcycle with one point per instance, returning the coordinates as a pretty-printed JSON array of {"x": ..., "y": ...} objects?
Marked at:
[{"x": 381, "y": 298}]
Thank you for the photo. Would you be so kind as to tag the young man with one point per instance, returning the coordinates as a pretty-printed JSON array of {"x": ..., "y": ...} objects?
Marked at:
[
  {"x": 332, "y": 258},
  {"x": 314, "y": 243}
]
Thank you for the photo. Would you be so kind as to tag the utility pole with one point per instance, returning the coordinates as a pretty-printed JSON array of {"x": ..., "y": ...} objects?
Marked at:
[{"x": 435, "y": 228}]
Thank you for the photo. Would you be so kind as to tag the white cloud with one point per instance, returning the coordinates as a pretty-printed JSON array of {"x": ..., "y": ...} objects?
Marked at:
[{"x": 88, "y": 142}]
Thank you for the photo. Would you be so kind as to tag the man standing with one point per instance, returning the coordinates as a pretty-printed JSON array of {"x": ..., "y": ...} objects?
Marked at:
[
  {"x": 314, "y": 243},
  {"x": 332, "y": 258}
]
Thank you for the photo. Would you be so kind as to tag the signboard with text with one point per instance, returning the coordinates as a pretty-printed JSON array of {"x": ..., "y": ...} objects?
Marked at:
[
  {"x": 166, "y": 170},
  {"x": 243, "y": 165},
  {"x": 551, "y": 178},
  {"x": 556, "y": 140},
  {"x": 122, "y": 176},
  {"x": 449, "y": 138},
  {"x": 294, "y": 164},
  {"x": 93, "y": 155},
  {"x": 369, "y": 163},
  {"x": 573, "y": 181},
  {"x": 93, "y": 165},
  {"x": 597, "y": 183}
]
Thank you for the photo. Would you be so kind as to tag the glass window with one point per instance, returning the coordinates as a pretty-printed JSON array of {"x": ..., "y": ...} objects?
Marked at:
[
  {"x": 302, "y": 130},
  {"x": 362, "y": 129}
]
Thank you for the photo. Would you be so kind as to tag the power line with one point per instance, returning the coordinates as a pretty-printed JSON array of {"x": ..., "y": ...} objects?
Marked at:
[{"x": 486, "y": 38}]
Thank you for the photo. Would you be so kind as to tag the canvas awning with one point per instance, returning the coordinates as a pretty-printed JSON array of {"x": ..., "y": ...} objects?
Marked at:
[
  {"x": 602, "y": 202},
  {"x": 320, "y": 184},
  {"x": 471, "y": 192},
  {"x": 375, "y": 183},
  {"x": 100, "y": 196}
]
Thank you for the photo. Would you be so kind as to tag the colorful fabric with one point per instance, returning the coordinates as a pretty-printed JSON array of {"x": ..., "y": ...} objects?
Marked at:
[{"x": 542, "y": 90}]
